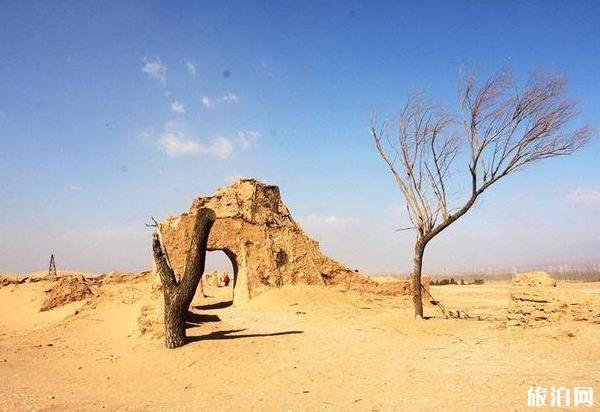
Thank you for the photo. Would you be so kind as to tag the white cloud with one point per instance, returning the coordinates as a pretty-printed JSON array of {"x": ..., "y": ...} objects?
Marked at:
[
  {"x": 177, "y": 107},
  {"x": 221, "y": 147},
  {"x": 155, "y": 69},
  {"x": 74, "y": 188},
  {"x": 585, "y": 197},
  {"x": 230, "y": 98},
  {"x": 247, "y": 139},
  {"x": 177, "y": 139},
  {"x": 207, "y": 101},
  {"x": 212, "y": 102},
  {"x": 175, "y": 143},
  {"x": 191, "y": 68}
]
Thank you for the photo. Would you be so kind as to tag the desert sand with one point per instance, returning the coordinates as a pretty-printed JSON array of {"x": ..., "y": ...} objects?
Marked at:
[{"x": 291, "y": 348}]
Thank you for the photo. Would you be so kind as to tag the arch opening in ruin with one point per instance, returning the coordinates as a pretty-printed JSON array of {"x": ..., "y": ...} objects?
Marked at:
[{"x": 216, "y": 266}]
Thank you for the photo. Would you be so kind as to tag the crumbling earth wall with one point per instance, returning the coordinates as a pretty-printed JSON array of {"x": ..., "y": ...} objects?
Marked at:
[
  {"x": 536, "y": 300},
  {"x": 267, "y": 248}
]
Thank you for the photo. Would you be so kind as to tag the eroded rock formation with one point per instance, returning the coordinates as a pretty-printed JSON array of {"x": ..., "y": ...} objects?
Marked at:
[{"x": 267, "y": 248}]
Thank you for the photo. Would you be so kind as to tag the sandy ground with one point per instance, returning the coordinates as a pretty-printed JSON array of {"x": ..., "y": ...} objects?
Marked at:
[{"x": 296, "y": 348}]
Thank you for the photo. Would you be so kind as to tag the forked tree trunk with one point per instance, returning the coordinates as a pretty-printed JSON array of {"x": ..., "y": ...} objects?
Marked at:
[
  {"x": 416, "y": 279},
  {"x": 179, "y": 294}
]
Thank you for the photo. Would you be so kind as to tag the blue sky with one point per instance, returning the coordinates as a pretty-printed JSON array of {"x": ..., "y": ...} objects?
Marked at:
[{"x": 111, "y": 112}]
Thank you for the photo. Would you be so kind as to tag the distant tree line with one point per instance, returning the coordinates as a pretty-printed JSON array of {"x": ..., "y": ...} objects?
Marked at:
[{"x": 452, "y": 281}]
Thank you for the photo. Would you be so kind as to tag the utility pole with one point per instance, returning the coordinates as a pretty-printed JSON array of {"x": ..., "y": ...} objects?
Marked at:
[{"x": 52, "y": 268}]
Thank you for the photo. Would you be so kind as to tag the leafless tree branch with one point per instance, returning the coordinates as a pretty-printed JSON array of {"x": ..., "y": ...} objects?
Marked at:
[{"x": 505, "y": 129}]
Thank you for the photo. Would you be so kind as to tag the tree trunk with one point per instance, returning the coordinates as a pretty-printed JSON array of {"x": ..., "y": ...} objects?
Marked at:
[
  {"x": 174, "y": 323},
  {"x": 416, "y": 279},
  {"x": 178, "y": 295}
]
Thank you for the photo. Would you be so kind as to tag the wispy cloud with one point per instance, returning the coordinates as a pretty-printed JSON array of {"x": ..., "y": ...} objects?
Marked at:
[
  {"x": 221, "y": 147},
  {"x": 190, "y": 67},
  {"x": 155, "y": 69},
  {"x": 230, "y": 97},
  {"x": 587, "y": 198},
  {"x": 175, "y": 143},
  {"x": 247, "y": 139},
  {"x": 74, "y": 188},
  {"x": 177, "y": 107},
  {"x": 209, "y": 102}
]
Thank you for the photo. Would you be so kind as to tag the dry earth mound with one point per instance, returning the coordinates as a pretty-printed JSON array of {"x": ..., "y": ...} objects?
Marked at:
[
  {"x": 69, "y": 289},
  {"x": 535, "y": 300},
  {"x": 267, "y": 248}
]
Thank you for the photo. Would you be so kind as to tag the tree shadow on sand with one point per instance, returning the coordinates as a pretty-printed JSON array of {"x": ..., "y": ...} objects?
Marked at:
[
  {"x": 219, "y": 305},
  {"x": 227, "y": 334},
  {"x": 196, "y": 319}
]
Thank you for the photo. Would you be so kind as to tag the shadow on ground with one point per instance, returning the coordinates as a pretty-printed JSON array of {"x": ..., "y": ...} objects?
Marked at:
[
  {"x": 196, "y": 319},
  {"x": 219, "y": 305},
  {"x": 228, "y": 334}
]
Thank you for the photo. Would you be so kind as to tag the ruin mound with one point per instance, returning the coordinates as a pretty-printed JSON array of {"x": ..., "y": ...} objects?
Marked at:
[
  {"x": 541, "y": 279},
  {"x": 68, "y": 289},
  {"x": 267, "y": 248},
  {"x": 536, "y": 300}
]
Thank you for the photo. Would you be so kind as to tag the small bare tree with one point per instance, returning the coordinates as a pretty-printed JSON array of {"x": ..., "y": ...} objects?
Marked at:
[
  {"x": 506, "y": 130},
  {"x": 179, "y": 294}
]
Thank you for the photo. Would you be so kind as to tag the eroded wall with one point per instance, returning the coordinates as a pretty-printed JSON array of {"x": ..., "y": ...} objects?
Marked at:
[{"x": 256, "y": 230}]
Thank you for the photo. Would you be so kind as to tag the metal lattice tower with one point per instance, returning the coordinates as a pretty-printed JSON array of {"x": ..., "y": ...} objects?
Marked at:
[{"x": 52, "y": 268}]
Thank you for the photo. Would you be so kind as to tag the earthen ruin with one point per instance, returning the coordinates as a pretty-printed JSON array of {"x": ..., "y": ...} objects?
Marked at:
[
  {"x": 536, "y": 300},
  {"x": 267, "y": 248}
]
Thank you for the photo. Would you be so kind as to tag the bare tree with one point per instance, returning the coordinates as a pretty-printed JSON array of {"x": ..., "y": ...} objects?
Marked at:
[
  {"x": 506, "y": 129},
  {"x": 179, "y": 294}
]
